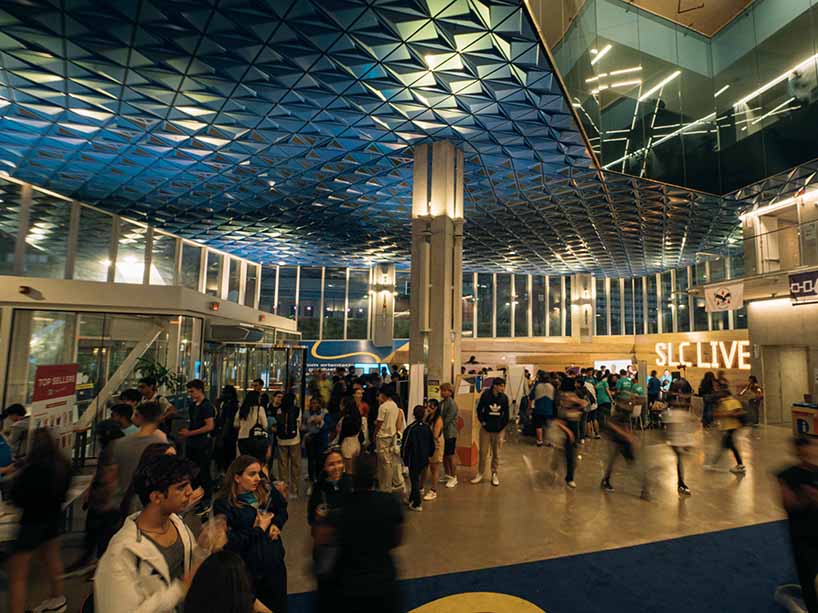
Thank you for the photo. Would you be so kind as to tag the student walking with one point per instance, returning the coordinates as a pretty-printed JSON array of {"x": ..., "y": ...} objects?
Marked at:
[
  {"x": 448, "y": 410},
  {"x": 288, "y": 420},
  {"x": 542, "y": 394},
  {"x": 315, "y": 428},
  {"x": 39, "y": 490},
  {"x": 198, "y": 443},
  {"x": 730, "y": 414},
  {"x": 250, "y": 424},
  {"x": 418, "y": 446},
  {"x": 435, "y": 422},
  {"x": 493, "y": 415}
]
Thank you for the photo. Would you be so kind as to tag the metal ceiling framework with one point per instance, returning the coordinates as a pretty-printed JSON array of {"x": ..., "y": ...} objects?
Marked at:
[{"x": 282, "y": 130}]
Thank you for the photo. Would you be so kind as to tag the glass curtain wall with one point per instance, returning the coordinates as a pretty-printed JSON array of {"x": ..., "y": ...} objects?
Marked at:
[
  {"x": 213, "y": 274},
  {"x": 309, "y": 302},
  {"x": 250, "y": 284},
  {"x": 503, "y": 304},
  {"x": 601, "y": 309},
  {"x": 335, "y": 285},
  {"x": 92, "y": 260},
  {"x": 663, "y": 101},
  {"x": 554, "y": 306},
  {"x": 652, "y": 314},
  {"x": 233, "y": 279},
  {"x": 130, "y": 254},
  {"x": 46, "y": 241},
  {"x": 485, "y": 304},
  {"x": 616, "y": 307},
  {"x": 538, "y": 306},
  {"x": 358, "y": 310},
  {"x": 287, "y": 283},
  {"x": 403, "y": 282},
  {"x": 521, "y": 301},
  {"x": 667, "y": 301},
  {"x": 163, "y": 260},
  {"x": 468, "y": 304},
  {"x": 681, "y": 300},
  {"x": 10, "y": 205}
]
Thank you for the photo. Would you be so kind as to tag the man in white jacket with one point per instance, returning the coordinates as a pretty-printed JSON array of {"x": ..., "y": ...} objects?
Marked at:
[{"x": 150, "y": 562}]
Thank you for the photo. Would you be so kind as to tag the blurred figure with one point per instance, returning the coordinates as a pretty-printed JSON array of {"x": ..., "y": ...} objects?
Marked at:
[
  {"x": 288, "y": 421},
  {"x": 350, "y": 432},
  {"x": 221, "y": 584},
  {"x": 198, "y": 442},
  {"x": 622, "y": 441},
  {"x": 226, "y": 433},
  {"x": 325, "y": 505},
  {"x": 39, "y": 491},
  {"x": 799, "y": 496},
  {"x": 756, "y": 396},
  {"x": 730, "y": 414},
  {"x": 15, "y": 427},
  {"x": 258, "y": 387},
  {"x": 368, "y": 529},
  {"x": 388, "y": 429},
  {"x": 315, "y": 426},
  {"x": 122, "y": 414},
  {"x": 543, "y": 396},
  {"x": 418, "y": 446},
  {"x": 707, "y": 390}
]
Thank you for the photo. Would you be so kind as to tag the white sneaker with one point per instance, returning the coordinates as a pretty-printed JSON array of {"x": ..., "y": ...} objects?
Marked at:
[
  {"x": 415, "y": 508},
  {"x": 452, "y": 482},
  {"x": 571, "y": 484},
  {"x": 477, "y": 479},
  {"x": 430, "y": 495},
  {"x": 52, "y": 605},
  {"x": 738, "y": 469},
  {"x": 443, "y": 479},
  {"x": 495, "y": 481}
]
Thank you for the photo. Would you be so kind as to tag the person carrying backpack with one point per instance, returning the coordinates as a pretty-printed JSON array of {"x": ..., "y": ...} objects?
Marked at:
[
  {"x": 418, "y": 446},
  {"x": 251, "y": 423}
]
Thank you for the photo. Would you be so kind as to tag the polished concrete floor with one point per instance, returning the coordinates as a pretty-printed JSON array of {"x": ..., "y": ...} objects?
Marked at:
[{"x": 531, "y": 516}]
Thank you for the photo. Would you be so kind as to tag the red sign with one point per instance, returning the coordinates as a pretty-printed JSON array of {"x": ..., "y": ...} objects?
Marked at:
[{"x": 54, "y": 381}]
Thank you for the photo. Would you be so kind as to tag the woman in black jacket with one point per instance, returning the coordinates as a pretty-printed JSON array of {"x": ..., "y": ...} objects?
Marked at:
[
  {"x": 325, "y": 504},
  {"x": 256, "y": 513},
  {"x": 227, "y": 433},
  {"x": 39, "y": 491}
]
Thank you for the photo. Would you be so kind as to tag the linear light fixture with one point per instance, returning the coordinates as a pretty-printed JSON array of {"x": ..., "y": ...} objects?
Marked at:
[
  {"x": 810, "y": 196},
  {"x": 659, "y": 85},
  {"x": 602, "y": 53},
  {"x": 625, "y": 71},
  {"x": 776, "y": 81},
  {"x": 721, "y": 91},
  {"x": 599, "y": 76},
  {"x": 627, "y": 83},
  {"x": 767, "y": 114}
]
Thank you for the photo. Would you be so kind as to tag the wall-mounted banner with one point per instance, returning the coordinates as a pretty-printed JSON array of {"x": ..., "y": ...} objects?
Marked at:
[
  {"x": 334, "y": 354},
  {"x": 724, "y": 297},
  {"x": 52, "y": 403},
  {"x": 804, "y": 287}
]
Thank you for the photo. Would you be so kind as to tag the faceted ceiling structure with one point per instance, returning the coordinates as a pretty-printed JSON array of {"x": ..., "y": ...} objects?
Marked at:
[{"x": 282, "y": 131}]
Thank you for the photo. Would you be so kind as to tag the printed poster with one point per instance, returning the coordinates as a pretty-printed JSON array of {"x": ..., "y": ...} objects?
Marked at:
[{"x": 53, "y": 403}]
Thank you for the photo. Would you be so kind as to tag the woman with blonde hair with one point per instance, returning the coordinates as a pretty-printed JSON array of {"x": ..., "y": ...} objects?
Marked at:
[
  {"x": 256, "y": 513},
  {"x": 435, "y": 421}
]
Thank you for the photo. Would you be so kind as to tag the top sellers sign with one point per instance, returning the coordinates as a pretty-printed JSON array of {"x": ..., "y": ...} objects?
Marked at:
[{"x": 707, "y": 354}]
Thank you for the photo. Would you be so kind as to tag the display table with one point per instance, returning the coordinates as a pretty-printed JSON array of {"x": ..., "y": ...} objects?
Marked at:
[{"x": 805, "y": 419}]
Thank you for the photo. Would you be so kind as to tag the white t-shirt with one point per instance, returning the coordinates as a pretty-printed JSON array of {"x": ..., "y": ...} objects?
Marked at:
[{"x": 388, "y": 415}]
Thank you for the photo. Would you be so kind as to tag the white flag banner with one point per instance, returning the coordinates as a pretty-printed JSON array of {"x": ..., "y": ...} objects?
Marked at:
[{"x": 724, "y": 297}]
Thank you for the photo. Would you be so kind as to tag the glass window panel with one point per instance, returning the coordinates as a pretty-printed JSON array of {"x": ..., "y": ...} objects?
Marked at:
[
  {"x": 567, "y": 306},
  {"x": 740, "y": 319},
  {"x": 214, "y": 273},
  {"x": 93, "y": 258},
  {"x": 485, "y": 304},
  {"x": 700, "y": 273},
  {"x": 358, "y": 314},
  {"x": 680, "y": 299},
  {"x": 601, "y": 310},
  {"x": 538, "y": 305},
  {"x": 667, "y": 302},
  {"x": 653, "y": 306},
  {"x": 286, "y": 291},
  {"x": 163, "y": 260},
  {"x": 628, "y": 306},
  {"x": 616, "y": 307},
  {"x": 699, "y": 314},
  {"x": 638, "y": 306},
  {"x": 234, "y": 280},
  {"x": 309, "y": 301},
  {"x": 737, "y": 264},
  {"x": 335, "y": 287},
  {"x": 520, "y": 305},
  {"x": 266, "y": 301},
  {"x": 403, "y": 282},
  {"x": 191, "y": 266},
  {"x": 718, "y": 270},
  {"x": 554, "y": 306},
  {"x": 468, "y": 304},
  {"x": 721, "y": 320},
  {"x": 47, "y": 237},
  {"x": 503, "y": 305},
  {"x": 130, "y": 255},
  {"x": 9, "y": 224},
  {"x": 250, "y": 282}
]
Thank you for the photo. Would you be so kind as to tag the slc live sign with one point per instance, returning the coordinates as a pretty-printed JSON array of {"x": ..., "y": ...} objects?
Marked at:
[{"x": 704, "y": 354}]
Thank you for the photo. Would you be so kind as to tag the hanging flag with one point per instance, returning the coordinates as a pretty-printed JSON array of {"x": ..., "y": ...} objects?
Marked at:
[{"x": 724, "y": 297}]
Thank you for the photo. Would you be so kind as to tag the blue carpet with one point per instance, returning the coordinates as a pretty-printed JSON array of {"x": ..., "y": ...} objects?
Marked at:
[{"x": 733, "y": 571}]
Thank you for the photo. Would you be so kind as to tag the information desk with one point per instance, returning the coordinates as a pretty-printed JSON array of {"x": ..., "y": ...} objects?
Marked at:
[{"x": 805, "y": 419}]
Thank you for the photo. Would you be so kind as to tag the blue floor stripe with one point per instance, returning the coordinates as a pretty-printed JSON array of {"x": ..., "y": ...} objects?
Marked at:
[{"x": 732, "y": 571}]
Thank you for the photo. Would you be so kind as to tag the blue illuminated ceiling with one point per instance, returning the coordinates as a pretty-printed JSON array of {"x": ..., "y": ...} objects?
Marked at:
[{"x": 282, "y": 130}]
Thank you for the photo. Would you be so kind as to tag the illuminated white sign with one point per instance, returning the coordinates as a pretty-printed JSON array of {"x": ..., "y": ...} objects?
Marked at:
[{"x": 733, "y": 354}]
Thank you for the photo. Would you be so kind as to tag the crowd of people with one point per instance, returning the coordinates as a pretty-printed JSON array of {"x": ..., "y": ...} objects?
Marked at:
[{"x": 163, "y": 533}]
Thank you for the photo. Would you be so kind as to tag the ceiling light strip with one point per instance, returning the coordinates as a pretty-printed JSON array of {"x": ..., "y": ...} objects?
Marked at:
[
  {"x": 602, "y": 53},
  {"x": 769, "y": 85},
  {"x": 659, "y": 85}
]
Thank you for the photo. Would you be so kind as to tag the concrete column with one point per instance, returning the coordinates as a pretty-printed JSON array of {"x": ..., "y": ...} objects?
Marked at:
[
  {"x": 383, "y": 304},
  {"x": 582, "y": 307},
  {"x": 437, "y": 265}
]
